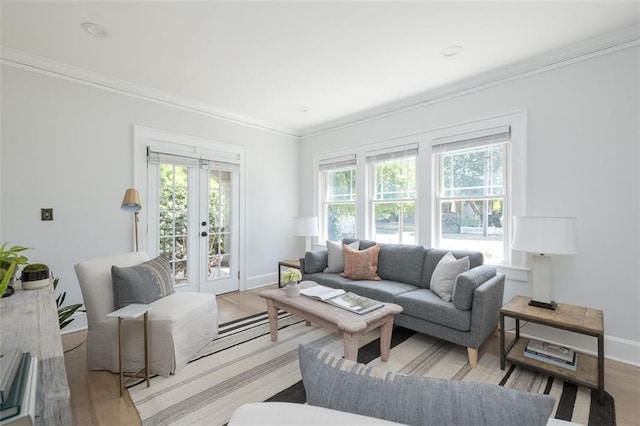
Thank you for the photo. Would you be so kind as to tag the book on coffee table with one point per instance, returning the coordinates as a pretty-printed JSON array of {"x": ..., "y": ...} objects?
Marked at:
[
  {"x": 345, "y": 300},
  {"x": 321, "y": 292}
]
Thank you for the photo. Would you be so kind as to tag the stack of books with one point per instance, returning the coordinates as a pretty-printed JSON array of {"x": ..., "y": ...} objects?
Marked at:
[
  {"x": 18, "y": 381},
  {"x": 551, "y": 354}
]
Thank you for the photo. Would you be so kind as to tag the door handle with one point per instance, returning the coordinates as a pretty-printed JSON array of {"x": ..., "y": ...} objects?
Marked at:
[{"x": 204, "y": 233}]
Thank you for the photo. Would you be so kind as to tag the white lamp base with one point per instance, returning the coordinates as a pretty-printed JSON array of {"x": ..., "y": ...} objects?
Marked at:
[{"x": 541, "y": 282}]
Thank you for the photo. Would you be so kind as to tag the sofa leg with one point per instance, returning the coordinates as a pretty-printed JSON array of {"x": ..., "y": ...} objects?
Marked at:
[{"x": 473, "y": 357}]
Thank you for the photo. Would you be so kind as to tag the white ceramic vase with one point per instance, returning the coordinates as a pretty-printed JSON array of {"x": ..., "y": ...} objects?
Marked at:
[{"x": 292, "y": 290}]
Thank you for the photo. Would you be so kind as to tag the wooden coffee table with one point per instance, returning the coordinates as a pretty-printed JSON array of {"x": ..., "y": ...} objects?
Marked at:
[{"x": 349, "y": 324}]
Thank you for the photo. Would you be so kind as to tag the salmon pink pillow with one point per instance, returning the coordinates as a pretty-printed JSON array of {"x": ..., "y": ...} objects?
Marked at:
[{"x": 361, "y": 264}]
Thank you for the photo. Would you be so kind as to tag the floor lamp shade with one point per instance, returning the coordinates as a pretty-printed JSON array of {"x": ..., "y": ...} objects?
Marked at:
[
  {"x": 306, "y": 227},
  {"x": 543, "y": 236},
  {"x": 131, "y": 204}
]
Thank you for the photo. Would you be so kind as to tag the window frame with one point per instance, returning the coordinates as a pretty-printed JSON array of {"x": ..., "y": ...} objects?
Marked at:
[
  {"x": 515, "y": 177},
  {"x": 517, "y": 172},
  {"x": 323, "y": 166},
  {"x": 373, "y": 158}
]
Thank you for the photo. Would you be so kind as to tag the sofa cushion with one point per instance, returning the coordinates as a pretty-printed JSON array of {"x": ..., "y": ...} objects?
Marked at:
[
  {"x": 466, "y": 284},
  {"x": 315, "y": 261},
  {"x": 142, "y": 283},
  {"x": 384, "y": 291},
  {"x": 328, "y": 279},
  {"x": 361, "y": 264},
  {"x": 426, "y": 305},
  {"x": 433, "y": 256},
  {"x": 445, "y": 274},
  {"x": 335, "y": 261},
  {"x": 334, "y": 382},
  {"x": 364, "y": 244},
  {"x": 401, "y": 262}
]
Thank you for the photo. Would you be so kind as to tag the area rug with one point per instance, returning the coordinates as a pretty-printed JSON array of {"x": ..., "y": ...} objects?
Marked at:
[{"x": 243, "y": 365}]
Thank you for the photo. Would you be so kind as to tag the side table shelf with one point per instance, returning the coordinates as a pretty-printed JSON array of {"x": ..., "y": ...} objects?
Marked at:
[{"x": 589, "y": 370}]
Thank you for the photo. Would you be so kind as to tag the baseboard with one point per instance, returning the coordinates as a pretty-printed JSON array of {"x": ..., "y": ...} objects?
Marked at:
[{"x": 258, "y": 281}]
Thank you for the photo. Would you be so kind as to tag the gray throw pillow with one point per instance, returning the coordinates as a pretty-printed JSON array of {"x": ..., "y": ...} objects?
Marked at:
[
  {"x": 142, "y": 283},
  {"x": 339, "y": 384},
  {"x": 445, "y": 274},
  {"x": 335, "y": 262}
]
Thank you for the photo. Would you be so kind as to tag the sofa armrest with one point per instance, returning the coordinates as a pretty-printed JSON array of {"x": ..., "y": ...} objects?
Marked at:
[
  {"x": 467, "y": 283},
  {"x": 485, "y": 311}
]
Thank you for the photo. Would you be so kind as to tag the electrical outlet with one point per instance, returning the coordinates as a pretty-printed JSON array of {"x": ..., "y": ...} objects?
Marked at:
[{"x": 46, "y": 214}]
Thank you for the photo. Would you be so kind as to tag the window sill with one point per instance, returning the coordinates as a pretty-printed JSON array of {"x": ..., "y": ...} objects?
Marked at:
[{"x": 512, "y": 272}]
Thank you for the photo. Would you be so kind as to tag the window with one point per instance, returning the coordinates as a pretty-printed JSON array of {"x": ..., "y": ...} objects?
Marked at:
[
  {"x": 393, "y": 198},
  {"x": 338, "y": 198},
  {"x": 471, "y": 192}
]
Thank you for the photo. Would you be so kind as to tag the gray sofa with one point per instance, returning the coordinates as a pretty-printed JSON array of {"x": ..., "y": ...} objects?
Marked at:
[{"x": 405, "y": 272}]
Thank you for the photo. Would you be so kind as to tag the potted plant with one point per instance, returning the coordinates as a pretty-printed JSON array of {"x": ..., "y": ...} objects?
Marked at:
[
  {"x": 10, "y": 259},
  {"x": 65, "y": 313},
  {"x": 291, "y": 278}
]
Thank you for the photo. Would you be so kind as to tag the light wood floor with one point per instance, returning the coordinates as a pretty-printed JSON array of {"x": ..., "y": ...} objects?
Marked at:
[{"x": 95, "y": 398}]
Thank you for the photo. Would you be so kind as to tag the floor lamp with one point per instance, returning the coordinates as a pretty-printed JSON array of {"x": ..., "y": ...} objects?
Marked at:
[
  {"x": 543, "y": 236},
  {"x": 306, "y": 227},
  {"x": 131, "y": 204}
]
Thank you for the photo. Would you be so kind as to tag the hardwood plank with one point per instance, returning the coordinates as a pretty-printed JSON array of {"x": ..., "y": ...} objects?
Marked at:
[{"x": 95, "y": 400}]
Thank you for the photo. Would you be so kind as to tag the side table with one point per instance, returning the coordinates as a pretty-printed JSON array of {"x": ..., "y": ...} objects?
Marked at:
[
  {"x": 577, "y": 319},
  {"x": 133, "y": 311},
  {"x": 292, "y": 263}
]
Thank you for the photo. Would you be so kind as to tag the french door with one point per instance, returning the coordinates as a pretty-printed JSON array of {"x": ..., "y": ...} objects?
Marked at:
[{"x": 193, "y": 220}]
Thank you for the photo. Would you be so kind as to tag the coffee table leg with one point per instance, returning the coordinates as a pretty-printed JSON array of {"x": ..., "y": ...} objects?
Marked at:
[
  {"x": 351, "y": 341},
  {"x": 272, "y": 312},
  {"x": 385, "y": 338}
]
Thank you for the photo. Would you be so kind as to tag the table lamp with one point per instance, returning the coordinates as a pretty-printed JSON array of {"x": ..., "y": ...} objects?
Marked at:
[
  {"x": 543, "y": 236},
  {"x": 306, "y": 227},
  {"x": 131, "y": 204}
]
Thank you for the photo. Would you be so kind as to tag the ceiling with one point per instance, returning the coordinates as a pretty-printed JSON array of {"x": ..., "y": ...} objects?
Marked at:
[{"x": 258, "y": 62}]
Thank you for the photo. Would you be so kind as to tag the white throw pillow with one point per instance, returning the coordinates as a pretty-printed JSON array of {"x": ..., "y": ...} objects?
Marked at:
[
  {"x": 445, "y": 274},
  {"x": 335, "y": 261}
]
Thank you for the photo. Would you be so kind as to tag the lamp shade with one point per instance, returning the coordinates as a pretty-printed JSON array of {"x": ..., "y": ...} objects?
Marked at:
[
  {"x": 131, "y": 201},
  {"x": 305, "y": 226},
  {"x": 544, "y": 235}
]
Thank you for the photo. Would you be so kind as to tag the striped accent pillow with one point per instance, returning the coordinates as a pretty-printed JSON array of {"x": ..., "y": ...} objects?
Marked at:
[
  {"x": 338, "y": 384},
  {"x": 142, "y": 283}
]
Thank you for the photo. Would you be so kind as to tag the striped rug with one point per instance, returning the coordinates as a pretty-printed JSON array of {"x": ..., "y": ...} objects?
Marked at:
[{"x": 243, "y": 365}]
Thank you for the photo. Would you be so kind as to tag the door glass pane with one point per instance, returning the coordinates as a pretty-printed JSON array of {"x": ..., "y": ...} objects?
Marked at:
[
  {"x": 172, "y": 213},
  {"x": 220, "y": 199}
]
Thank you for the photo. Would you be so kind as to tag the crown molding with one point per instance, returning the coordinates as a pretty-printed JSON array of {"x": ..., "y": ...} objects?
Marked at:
[
  {"x": 590, "y": 48},
  {"x": 587, "y": 49},
  {"x": 23, "y": 60}
]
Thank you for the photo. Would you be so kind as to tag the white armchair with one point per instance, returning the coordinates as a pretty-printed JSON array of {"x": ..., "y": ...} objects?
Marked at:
[{"x": 180, "y": 324}]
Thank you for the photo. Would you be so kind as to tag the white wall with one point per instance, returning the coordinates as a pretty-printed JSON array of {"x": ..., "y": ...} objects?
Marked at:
[
  {"x": 69, "y": 146},
  {"x": 582, "y": 158}
]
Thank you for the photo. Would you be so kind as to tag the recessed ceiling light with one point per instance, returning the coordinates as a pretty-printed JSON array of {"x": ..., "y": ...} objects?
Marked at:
[
  {"x": 303, "y": 108},
  {"x": 96, "y": 30},
  {"x": 451, "y": 51}
]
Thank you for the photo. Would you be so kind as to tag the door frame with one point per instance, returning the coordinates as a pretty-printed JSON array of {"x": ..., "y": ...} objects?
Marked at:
[{"x": 192, "y": 146}]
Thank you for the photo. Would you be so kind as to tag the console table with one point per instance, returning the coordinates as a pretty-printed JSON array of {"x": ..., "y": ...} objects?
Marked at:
[
  {"x": 577, "y": 319},
  {"x": 29, "y": 321}
]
